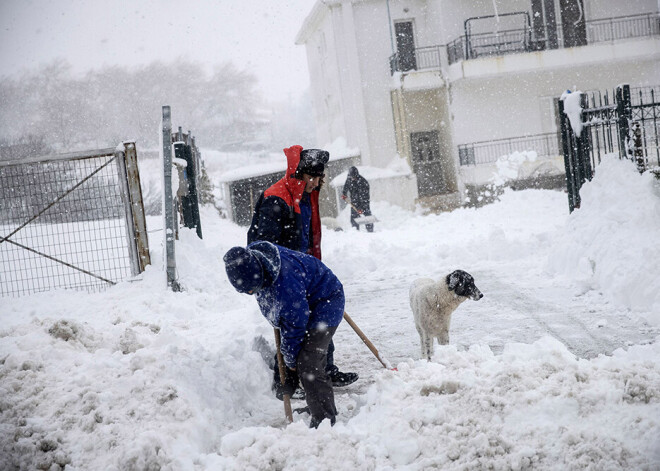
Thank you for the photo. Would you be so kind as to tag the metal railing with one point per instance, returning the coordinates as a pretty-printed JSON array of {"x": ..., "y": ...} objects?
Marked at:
[
  {"x": 515, "y": 41},
  {"x": 626, "y": 27},
  {"x": 628, "y": 124},
  {"x": 486, "y": 152}
]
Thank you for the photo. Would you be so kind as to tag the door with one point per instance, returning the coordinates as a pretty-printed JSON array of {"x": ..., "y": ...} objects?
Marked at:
[
  {"x": 427, "y": 164},
  {"x": 573, "y": 23},
  {"x": 405, "y": 46}
]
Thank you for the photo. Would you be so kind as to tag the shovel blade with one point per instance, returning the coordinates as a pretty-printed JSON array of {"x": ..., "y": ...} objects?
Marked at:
[{"x": 366, "y": 219}]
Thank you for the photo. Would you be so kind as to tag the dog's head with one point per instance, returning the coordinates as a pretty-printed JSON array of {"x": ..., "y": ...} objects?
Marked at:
[{"x": 462, "y": 283}]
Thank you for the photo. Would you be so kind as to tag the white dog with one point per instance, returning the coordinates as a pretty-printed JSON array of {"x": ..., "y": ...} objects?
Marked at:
[{"x": 433, "y": 302}]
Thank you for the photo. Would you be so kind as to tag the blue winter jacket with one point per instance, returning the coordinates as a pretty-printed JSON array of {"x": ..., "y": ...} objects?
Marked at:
[{"x": 300, "y": 294}]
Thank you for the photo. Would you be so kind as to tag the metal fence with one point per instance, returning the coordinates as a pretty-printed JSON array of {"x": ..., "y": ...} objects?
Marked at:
[
  {"x": 486, "y": 152},
  {"x": 71, "y": 221},
  {"x": 626, "y": 123}
]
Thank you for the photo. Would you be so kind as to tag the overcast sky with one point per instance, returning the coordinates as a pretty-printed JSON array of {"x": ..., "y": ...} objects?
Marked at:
[{"x": 257, "y": 35}]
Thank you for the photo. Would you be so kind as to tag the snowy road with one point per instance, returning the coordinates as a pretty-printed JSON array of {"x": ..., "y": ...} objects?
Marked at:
[{"x": 521, "y": 303}]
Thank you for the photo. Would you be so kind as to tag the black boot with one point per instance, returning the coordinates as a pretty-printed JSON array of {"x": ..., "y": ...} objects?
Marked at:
[
  {"x": 314, "y": 423},
  {"x": 340, "y": 379},
  {"x": 299, "y": 393}
]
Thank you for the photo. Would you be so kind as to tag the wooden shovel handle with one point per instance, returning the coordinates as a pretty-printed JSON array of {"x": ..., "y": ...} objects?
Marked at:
[
  {"x": 356, "y": 210},
  {"x": 280, "y": 364},
  {"x": 364, "y": 338}
]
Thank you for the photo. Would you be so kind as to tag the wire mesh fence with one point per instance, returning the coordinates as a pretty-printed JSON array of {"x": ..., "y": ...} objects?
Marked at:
[{"x": 64, "y": 223}]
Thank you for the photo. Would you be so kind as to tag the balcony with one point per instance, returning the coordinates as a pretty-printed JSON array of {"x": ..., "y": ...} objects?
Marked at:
[
  {"x": 488, "y": 152},
  {"x": 473, "y": 46}
]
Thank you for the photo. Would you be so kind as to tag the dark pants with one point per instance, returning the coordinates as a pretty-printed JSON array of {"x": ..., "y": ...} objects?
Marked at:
[
  {"x": 311, "y": 365},
  {"x": 355, "y": 215}
]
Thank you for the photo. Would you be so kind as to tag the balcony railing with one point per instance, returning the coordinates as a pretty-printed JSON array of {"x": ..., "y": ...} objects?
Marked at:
[
  {"x": 487, "y": 152},
  {"x": 522, "y": 40},
  {"x": 547, "y": 145}
]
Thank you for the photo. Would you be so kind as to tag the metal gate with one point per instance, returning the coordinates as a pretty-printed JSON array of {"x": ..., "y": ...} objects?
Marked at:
[
  {"x": 627, "y": 124},
  {"x": 71, "y": 221}
]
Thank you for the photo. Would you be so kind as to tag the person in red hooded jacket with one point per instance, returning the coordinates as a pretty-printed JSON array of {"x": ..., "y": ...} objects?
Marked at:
[{"x": 287, "y": 214}]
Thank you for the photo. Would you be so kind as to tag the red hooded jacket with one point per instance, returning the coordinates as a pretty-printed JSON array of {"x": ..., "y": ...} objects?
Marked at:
[{"x": 277, "y": 217}]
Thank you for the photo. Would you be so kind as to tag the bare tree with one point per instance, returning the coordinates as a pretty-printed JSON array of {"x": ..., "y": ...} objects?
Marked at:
[{"x": 113, "y": 104}]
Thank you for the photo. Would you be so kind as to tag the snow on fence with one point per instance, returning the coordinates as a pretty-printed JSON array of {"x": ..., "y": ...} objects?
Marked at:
[{"x": 71, "y": 221}]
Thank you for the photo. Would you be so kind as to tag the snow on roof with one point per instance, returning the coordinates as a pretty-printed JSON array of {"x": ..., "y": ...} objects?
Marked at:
[
  {"x": 338, "y": 151},
  {"x": 242, "y": 173}
]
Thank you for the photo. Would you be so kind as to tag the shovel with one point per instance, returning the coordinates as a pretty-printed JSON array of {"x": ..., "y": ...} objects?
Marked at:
[
  {"x": 280, "y": 364},
  {"x": 361, "y": 219}
]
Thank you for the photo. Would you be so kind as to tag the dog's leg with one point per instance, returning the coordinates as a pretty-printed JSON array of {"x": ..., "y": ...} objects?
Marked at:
[
  {"x": 443, "y": 338},
  {"x": 422, "y": 342},
  {"x": 427, "y": 346}
]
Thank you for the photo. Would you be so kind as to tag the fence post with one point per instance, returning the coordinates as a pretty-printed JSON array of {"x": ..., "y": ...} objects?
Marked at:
[
  {"x": 134, "y": 207},
  {"x": 168, "y": 206},
  {"x": 569, "y": 150},
  {"x": 638, "y": 147},
  {"x": 194, "y": 196},
  {"x": 624, "y": 118},
  {"x": 586, "y": 171},
  {"x": 120, "y": 156}
]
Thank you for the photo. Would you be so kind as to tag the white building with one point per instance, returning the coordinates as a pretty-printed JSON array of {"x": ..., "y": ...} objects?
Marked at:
[{"x": 450, "y": 84}]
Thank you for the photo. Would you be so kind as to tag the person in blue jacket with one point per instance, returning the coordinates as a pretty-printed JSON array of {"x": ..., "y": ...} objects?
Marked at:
[{"x": 302, "y": 298}]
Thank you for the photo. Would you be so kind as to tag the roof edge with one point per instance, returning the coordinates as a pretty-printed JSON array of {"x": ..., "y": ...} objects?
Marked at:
[{"x": 315, "y": 16}]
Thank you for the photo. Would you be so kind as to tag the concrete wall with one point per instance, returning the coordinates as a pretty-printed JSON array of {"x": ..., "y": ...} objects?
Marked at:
[
  {"x": 490, "y": 106},
  {"x": 596, "y": 9},
  {"x": 481, "y": 175},
  {"x": 374, "y": 49},
  {"x": 324, "y": 71}
]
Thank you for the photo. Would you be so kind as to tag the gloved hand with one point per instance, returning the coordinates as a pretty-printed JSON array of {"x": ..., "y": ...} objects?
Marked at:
[
  {"x": 343, "y": 197},
  {"x": 291, "y": 381}
]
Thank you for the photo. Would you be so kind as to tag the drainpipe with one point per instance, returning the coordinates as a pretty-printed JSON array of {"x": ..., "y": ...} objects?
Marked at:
[{"x": 389, "y": 19}]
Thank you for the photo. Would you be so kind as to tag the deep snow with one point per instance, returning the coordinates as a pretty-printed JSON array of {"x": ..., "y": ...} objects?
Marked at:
[{"x": 555, "y": 368}]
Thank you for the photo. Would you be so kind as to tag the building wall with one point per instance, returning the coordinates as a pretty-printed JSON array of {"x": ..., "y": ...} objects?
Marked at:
[
  {"x": 596, "y": 9},
  {"x": 509, "y": 105},
  {"x": 325, "y": 70},
  {"x": 373, "y": 50}
]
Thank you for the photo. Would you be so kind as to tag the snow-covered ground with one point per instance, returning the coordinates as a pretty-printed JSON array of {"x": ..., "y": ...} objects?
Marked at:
[{"x": 556, "y": 368}]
